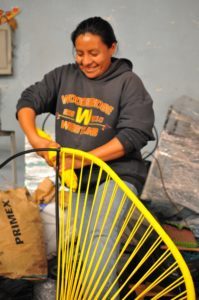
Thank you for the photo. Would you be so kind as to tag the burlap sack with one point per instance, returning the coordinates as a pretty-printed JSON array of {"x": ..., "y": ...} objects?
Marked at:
[
  {"x": 45, "y": 192},
  {"x": 22, "y": 249}
]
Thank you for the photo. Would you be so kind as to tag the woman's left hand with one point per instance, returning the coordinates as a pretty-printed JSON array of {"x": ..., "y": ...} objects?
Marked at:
[{"x": 69, "y": 162}]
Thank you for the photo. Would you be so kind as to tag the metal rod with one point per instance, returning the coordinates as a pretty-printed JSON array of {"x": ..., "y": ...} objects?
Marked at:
[
  {"x": 26, "y": 152},
  {"x": 57, "y": 196}
]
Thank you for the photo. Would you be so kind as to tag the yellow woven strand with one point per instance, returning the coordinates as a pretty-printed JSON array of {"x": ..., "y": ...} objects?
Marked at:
[
  {"x": 181, "y": 294},
  {"x": 71, "y": 235},
  {"x": 96, "y": 246},
  {"x": 61, "y": 271},
  {"x": 66, "y": 239},
  {"x": 108, "y": 237},
  {"x": 166, "y": 273},
  {"x": 91, "y": 241},
  {"x": 66, "y": 258},
  {"x": 150, "y": 251},
  {"x": 61, "y": 216},
  {"x": 169, "y": 288},
  {"x": 86, "y": 257},
  {"x": 138, "y": 246},
  {"x": 116, "y": 243},
  {"x": 183, "y": 298},
  {"x": 105, "y": 245},
  {"x": 62, "y": 239},
  {"x": 72, "y": 239},
  {"x": 77, "y": 273},
  {"x": 74, "y": 265},
  {"x": 161, "y": 259},
  {"x": 136, "y": 227},
  {"x": 68, "y": 235},
  {"x": 80, "y": 280}
]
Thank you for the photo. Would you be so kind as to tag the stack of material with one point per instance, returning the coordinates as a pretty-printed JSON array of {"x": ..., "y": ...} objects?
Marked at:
[
  {"x": 172, "y": 183},
  {"x": 36, "y": 169}
]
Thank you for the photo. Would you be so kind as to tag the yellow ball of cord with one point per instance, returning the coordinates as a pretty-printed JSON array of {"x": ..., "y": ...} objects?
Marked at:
[{"x": 66, "y": 174}]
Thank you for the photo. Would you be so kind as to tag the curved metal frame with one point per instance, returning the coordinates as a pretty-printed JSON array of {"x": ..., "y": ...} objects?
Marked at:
[{"x": 187, "y": 279}]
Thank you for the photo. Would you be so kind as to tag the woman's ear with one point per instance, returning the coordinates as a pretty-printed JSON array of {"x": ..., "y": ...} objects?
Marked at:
[{"x": 113, "y": 48}]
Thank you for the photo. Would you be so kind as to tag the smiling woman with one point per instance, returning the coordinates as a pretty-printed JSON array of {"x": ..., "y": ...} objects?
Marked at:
[
  {"x": 92, "y": 55},
  {"x": 95, "y": 44},
  {"x": 101, "y": 107}
]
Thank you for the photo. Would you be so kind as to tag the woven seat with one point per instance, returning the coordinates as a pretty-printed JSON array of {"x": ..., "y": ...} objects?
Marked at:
[
  {"x": 146, "y": 261},
  {"x": 82, "y": 264}
]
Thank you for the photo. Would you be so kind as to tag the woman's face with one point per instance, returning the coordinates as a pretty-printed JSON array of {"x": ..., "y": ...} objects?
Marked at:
[{"x": 92, "y": 55}]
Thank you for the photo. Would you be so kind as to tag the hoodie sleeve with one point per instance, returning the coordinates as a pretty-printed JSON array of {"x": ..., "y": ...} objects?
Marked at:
[
  {"x": 136, "y": 118},
  {"x": 42, "y": 95}
]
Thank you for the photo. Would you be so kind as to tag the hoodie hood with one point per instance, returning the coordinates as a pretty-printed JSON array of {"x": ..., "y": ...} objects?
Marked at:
[{"x": 118, "y": 67}]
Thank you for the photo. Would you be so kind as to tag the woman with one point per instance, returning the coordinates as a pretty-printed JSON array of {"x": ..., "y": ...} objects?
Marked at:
[{"x": 101, "y": 105}]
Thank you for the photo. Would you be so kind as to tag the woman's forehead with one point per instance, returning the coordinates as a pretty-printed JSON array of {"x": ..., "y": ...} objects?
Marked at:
[{"x": 88, "y": 39}]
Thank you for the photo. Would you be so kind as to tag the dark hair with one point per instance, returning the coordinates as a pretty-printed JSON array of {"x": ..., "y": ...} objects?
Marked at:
[{"x": 97, "y": 26}]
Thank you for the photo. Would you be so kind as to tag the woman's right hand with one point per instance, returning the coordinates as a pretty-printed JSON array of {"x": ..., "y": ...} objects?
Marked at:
[
  {"x": 26, "y": 117},
  {"x": 44, "y": 143}
]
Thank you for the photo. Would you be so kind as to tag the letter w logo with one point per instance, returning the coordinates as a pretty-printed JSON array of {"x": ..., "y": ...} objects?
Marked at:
[{"x": 83, "y": 116}]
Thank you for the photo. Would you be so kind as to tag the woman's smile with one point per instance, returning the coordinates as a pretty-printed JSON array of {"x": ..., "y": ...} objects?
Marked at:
[{"x": 89, "y": 69}]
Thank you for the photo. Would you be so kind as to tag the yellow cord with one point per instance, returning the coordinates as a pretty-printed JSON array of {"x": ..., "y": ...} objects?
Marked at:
[{"x": 69, "y": 177}]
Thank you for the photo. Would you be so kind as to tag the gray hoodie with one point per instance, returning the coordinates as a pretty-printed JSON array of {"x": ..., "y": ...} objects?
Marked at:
[{"x": 90, "y": 112}]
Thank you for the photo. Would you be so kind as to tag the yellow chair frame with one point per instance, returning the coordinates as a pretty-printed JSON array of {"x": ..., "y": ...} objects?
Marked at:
[{"x": 74, "y": 278}]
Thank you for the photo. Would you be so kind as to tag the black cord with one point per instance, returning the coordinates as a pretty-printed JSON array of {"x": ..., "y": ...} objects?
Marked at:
[
  {"x": 161, "y": 175},
  {"x": 26, "y": 152},
  {"x": 156, "y": 143},
  {"x": 44, "y": 121},
  {"x": 166, "y": 192}
]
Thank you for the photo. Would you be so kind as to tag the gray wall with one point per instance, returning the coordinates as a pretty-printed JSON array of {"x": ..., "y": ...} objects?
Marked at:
[{"x": 161, "y": 37}]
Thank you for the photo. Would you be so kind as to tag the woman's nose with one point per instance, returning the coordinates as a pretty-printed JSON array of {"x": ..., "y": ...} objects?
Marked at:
[{"x": 86, "y": 60}]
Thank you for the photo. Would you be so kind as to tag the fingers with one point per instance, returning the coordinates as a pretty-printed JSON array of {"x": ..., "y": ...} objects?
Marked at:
[{"x": 49, "y": 156}]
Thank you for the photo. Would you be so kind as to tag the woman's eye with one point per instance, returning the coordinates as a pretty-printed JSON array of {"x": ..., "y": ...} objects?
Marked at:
[
  {"x": 91, "y": 54},
  {"x": 79, "y": 54},
  {"x": 94, "y": 53}
]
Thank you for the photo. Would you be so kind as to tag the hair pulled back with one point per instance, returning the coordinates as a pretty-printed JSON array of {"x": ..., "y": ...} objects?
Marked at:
[{"x": 97, "y": 26}]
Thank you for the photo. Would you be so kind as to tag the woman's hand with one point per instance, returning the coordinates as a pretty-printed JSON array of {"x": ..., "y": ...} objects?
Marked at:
[
  {"x": 70, "y": 162},
  {"x": 49, "y": 156}
]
